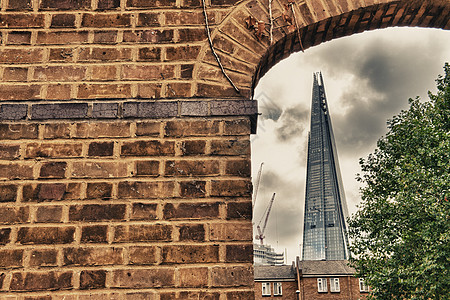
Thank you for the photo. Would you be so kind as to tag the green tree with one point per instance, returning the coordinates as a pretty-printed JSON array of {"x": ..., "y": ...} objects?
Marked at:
[{"x": 401, "y": 232}]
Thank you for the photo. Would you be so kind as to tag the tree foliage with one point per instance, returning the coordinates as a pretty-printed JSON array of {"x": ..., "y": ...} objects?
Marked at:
[{"x": 401, "y": 232}]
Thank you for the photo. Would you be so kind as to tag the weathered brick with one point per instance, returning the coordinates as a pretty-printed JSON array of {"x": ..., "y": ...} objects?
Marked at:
[
  {"x": 92, "y": 279},
  {"x": 15, "y": 74},
  {"x": 60, "y": 73},
  {"x": 51, "y": 192},
  {"x": 149, "y": 90},
  {"x": 231, "y": 188},
  {"x": 160, "y": 109},
  {"x": 150, "y": 54},
  {"x": 232, "y": 276},
  {"x": 89, "y": 91},
  {"x": 104, "y": 54},
  {"x": 187, "y": 18},
  {"x": 20, "y": 20},
  {"x": 150, "y": 3},
  {"x": 97, "y": 212},
  {"x": 58, "y": 91},
  {"x": 56, "y": 131},
  {"x": 191, "y": 211},
  {"x": 106, "y": 20},
  {"x": 9, "y": 151},
  {"x": 53, "y": 150},
  {"x": 230, "y": 147},
  {"x": 19, "y": 92},
  {"x": 186, "y": 71},
  {"x": 142, "y": 233},
  {"x": 5, "y": 235},
  {"x": 8, "y": 193},
  {"x": 147, "y": 72},
  {"x": 18, "y": 131},
  {"x": 105, "y": 110},
  {"x": 11, "y": 258},
  {"x": 186, "y": 254},
  {"x": 144, "y": 211},
  {"x": 53, "y": 170},
  {"x": 102, "y": 129},
  {"x": 181, "y": 53},
  {"x": 145, "y": 278},
  {"x": 62, "y": 37},
  {"x": 142, "y": 296},
  {"x": 238, "y": 295},
  {"x": 13, "y": 111},
  {"x": 43, "y": 258},
  {"x": 216, "y": 90},
  {"x": 193, "y": 189},
  {"x": 98, "y": 296},
  {"x": 193, "y": 147},
  {"x": 12, "y": 215},
  {"x": 194, "y": 277},
  {"x": 147, "y": 168},
  {"x": 194, "y": 108},
  {"x": 65, "y": 4},
  {"x": 192, "y": 168},
  {"x": 192, "y": 232},
  {"x": 239, "y": 253},
  {"x": 148, "y": 20},
  {"x": 99, "y": 190},
  {"x": 99, "y": 169},
  {"x": 143, "y": 255},
  {"x": 230, "y": 231},
  {"x": 145, "y": 190},
  {"x": 45, "y": 235},
  {"x": 239, "y": 210},
  {"x": 237, "y": 127},
  {"x": 187, "y": 35},
  {"x": 179, "y": 90},
  {"x": 63, "y": 20},
  {"x": 240, "y": 168},
  {"x": 13, "y": 171},
  {"x": 191, "y": 128},
  {"x": 49, "y": 214},
  {"x": 105, "y": 37},
  {"x": 39, "y": 281},
  {"x": 61, "y": 54},
  {"x": 20, "y": 5},
  {"x": 94, "y": 234},
  {"x": 59, "y": 111},
  {"x": 91, "y": 256},
  {"x": 148, "y": 148},
  {"x": 148, "y": 36}
]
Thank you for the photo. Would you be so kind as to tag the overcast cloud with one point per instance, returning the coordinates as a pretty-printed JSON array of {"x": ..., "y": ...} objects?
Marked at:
[{"x": 368, "y": 79}]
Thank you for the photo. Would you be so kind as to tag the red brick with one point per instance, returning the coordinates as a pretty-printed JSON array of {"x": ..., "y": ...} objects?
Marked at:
[
  {"x": 93, "y": 256},
  {"x": 106, "y": 20},
  {"x": 186, "y": 71},
  {"x": 238, "y": 295},
  {"x": 56, "y": 131},
  {"x": 231, "y": 188},
  {"x": 13, "y": 171},
  {"x": 63, "y": 20},
  {"x": 51, "y": 192},
  {"x": 147, "y": 72},
  {"x": 59, "y": 73},
  {"x": 194, "y": 277},
  {"x": 232, "y": 276},
  {"x": 13, "y": 215},
  {"x": 102, "y": 129},
  {"x": 61, "y": 54},
  {"x": 145, "y": 190},
  {"x": 92, "y": 169},
  {"x": 18, "y": 131},
  {"x": 191, "y": 211},
  {"x": 151, "y": 128},
  {"x": 108, "y": 4},
  {"x": 182, "y": 53},
  {"x": 191, "y": 128},
  {"x": 186, "y": 254},
  {"x": 193, "y": 147},
  {"x": 143, "y": 255},
  {"x": 11, "y": 258},
  {"x": 193, "y": 189},
  {"x": 192, "y": 168},
  {"x": 104, "y": 72},
  {"x": 20, "y": 5},
  {"x": 179, "y": 89},
  {"x": 97, "y": 212},
  {"x": 147, "y": 168},
  {"x": 39, "y": 281},
  {"x": 4, "y": 235},
  {"x": 142, "y": 233},
  {"x": 15, "y": 74},
  {"x": 21, "y": 20},
  {"x": 148, "y": 36},
  {"x": 94, "y": 234},
  {"x": 62, "y": 37},
  {"x": 92, "y": 279},
  {"x": 192, "y": 232},
  {"x": 239, "y": 210},
  {"x": 144, "y": 211},
  {"x": 145, "y": 278},
  {"x": 150, "y": 3},
  {"x": 231, "y": 231},
  {"x": 45, "y": 235},
  {"x": 148, "y": 54},
  {"x": 89, "y": 91},
  {"x": 53, "y": 170},
  {"x": 19, "y": 92},
  {"x": 189, "y": 35},
  {"x": 142, "y": 296},
  {"x": 65, "y": 4},
  {"x": 9, "y": 151},
  {"x": 240, "y": 168},
  {"x": 148, "y": 20},
  {"x": 43, "y": 258},
  {"x": 53, "y": 150},
  {"x": 99, "y": 190},
  {"x": 187, "y": 18},
  {"x": 8, "y": 193},
  {"x": 239, "y": 253},
  {"x": 48, "y": 214},
  {"x": 149, "y": 90},
  {"x": 148, "y": 148},
  {"x": 105, "y": 54},
  {"x": 237, "y": 127},
  {"x": 230, "y": 147}
]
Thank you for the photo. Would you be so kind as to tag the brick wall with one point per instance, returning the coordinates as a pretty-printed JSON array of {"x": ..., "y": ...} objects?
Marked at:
[
  {"x": 349, "y": 289},
  {"x": 288, "y": 290},
  {"x": 124, "y": 150}
]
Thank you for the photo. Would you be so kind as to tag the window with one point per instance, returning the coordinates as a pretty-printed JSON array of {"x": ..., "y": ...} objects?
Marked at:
[
  {"x": 266, "y": 289},
  {"x": 277, "y": 290},
  {"x": 334, "y": 285},
  {"x": 322, "y": 285},
  {"x": 362, "y": 286}
]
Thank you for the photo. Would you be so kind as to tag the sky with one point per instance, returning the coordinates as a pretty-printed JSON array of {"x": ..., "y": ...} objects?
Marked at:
[{"x": 368, "y": 79}]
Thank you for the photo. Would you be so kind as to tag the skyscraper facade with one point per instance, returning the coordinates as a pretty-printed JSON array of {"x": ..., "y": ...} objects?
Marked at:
[{"x": 325, "y": 229}]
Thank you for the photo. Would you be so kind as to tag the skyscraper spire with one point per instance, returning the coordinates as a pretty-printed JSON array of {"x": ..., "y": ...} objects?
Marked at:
[{"x": 325, "y": 229}]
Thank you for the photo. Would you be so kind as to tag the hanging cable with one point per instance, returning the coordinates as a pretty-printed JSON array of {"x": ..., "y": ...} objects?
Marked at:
[{"x": 296, "y": 26}]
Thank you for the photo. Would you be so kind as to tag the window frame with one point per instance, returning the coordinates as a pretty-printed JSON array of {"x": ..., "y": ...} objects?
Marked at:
[
  {"x": 266, "y": 292},
  {"x": 335, "y": 285},
  {"x": 322, "y": 285},
  {"x": 363, "y": 287},
  {"x": 278, "y": 289}
]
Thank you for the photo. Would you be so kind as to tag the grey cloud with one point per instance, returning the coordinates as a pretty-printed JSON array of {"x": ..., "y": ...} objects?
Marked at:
[{"x": 293, "y": 122}]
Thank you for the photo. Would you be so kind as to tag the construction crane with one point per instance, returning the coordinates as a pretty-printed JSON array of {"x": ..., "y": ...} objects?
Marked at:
[
  {"x": 258, "y": 180},
  {"x": 260, "y": 234}
]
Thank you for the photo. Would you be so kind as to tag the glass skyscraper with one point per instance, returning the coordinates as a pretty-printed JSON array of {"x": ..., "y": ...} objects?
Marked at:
[{"x": 325, "y": 229}]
